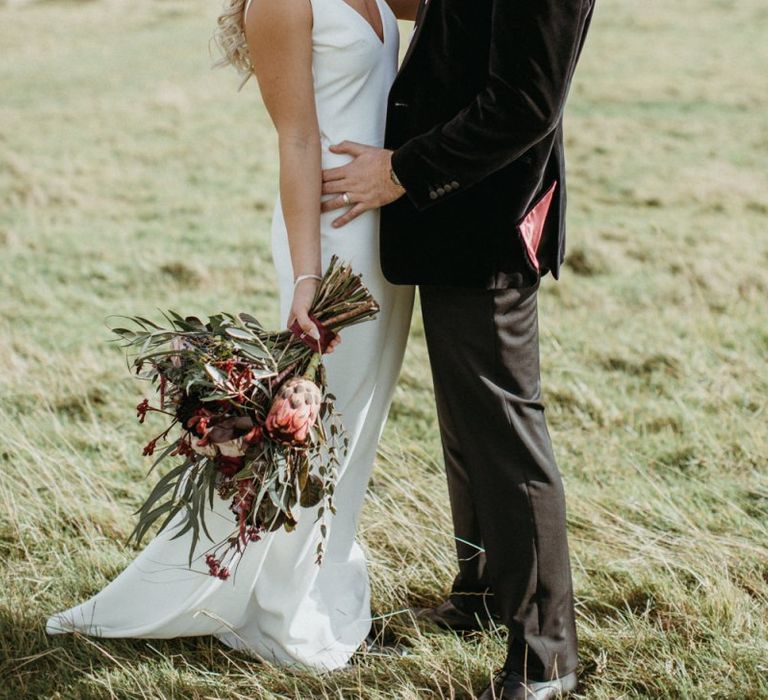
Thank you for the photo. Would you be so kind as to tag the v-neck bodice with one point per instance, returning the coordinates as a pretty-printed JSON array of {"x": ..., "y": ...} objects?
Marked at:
[
  {"x": 383, "y": 38},
  {"x": 382, "y": 17},
  {"x": 353, "y": 70}
]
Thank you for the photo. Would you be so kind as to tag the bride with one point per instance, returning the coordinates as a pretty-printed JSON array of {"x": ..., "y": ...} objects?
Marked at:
[{"x": 324, "y": 68}]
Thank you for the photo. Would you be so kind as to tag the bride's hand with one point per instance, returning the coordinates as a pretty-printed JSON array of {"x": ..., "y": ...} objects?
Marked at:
[{"x": 303, "y": 295}]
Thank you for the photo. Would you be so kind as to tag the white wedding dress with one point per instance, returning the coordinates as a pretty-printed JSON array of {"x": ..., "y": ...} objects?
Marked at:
[{"x": 280, "y": 605}]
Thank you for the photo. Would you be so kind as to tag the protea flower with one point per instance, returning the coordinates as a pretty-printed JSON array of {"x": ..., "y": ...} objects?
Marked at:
[{"x": 295, "y": 408}]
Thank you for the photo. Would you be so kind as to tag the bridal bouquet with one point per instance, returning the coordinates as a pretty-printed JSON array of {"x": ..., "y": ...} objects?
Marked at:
[{"x": 249, "y": 417}]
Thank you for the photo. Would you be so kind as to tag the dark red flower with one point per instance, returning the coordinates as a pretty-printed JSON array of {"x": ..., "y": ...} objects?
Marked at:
[
  {"x": 149, "y": 448},
  {"x": 183, "y": 448},
  {"x": 229, "y": 466},
  {"x": 163, "y": 382},
  {"x": 227, "y": 366},
  {"x": 201, "y": 416},
  {"x": 214, "y": 565},
  {"x": 142, "y": 409}
]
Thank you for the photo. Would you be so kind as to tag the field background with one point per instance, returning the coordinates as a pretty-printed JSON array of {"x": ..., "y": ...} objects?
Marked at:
[{"x": 132, "y": 178}]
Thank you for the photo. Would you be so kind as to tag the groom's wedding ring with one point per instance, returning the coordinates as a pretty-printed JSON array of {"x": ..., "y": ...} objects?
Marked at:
[{"x": 345, "y": 198}]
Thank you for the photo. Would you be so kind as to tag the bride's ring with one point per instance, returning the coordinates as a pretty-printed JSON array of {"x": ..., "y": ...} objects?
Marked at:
[{"x": 345, "y": 199}]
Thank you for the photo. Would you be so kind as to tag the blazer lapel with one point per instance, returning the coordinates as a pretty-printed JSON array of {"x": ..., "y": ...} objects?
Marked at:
[{"x": 421, "y": 16}]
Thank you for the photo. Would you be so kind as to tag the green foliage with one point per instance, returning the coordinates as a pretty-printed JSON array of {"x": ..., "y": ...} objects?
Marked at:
[{"x": 132, "y": 178}]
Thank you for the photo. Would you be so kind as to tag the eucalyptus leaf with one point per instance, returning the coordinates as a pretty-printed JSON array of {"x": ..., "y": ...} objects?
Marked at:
[
  {"x": 166, "y": 451},
  {"x": 163, "y": 486},
  {"x": 147, "y": 520},
  {"x": 146, "y": 322},
  {"x": 238, "y": 333}
]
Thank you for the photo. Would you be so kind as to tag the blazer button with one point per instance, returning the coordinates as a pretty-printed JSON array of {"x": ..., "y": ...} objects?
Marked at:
[
  {"x": 455, "y": 185},
  {"x": 448, "y": 188},
  {"x": 440, "y": 191},
  {"x": 433, "y": 194}
]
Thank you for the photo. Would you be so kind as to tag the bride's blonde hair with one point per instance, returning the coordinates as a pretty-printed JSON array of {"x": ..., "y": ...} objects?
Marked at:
[{"x": 230, "y": 39}]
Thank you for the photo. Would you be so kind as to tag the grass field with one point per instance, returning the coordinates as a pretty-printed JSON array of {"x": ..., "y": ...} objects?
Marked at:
[{"x": 132, "y": 178}]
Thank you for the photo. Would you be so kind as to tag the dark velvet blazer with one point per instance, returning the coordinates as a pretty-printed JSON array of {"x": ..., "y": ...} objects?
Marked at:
[{"x": 475, "y": 120}]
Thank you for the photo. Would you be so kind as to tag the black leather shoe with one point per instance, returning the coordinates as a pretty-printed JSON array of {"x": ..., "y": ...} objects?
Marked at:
[
  {"x": 374, "y": 645},
  {"x": 508, "y": 685},
  {"x": 448, "y": 616}
]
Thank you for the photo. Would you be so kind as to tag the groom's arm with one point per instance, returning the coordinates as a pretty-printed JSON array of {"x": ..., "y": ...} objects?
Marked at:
[{"x": 534, "y": 48}]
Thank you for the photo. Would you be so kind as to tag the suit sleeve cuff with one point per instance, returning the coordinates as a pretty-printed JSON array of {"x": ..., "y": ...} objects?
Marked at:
[{"x": 412, "y": 170}]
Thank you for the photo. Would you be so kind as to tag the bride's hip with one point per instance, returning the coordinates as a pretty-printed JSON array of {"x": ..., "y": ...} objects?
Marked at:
[{"x": 366, "y": 223}]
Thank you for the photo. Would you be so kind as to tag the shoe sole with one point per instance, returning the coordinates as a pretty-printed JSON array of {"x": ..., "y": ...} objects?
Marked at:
[{"x": 566, "y": 684}]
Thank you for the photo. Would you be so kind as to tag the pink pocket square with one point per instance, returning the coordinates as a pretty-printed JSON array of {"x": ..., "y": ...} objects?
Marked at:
[{"x": 532, "y": 226}]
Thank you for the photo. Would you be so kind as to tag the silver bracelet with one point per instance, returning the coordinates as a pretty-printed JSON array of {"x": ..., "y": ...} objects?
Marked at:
[{"x": 301, "y": 278}]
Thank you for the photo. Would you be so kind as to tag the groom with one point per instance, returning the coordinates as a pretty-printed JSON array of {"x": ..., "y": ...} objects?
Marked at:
[{"x": 472, "y": 185}]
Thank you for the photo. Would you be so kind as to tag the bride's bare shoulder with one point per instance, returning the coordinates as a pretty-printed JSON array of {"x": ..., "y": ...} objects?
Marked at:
[
  {"x": 279, "y": 38},
  {"x": 270, "y": 18}
]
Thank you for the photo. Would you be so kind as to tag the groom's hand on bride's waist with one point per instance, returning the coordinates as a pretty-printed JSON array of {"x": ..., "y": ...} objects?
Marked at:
[{"x": 362, "y": 184}]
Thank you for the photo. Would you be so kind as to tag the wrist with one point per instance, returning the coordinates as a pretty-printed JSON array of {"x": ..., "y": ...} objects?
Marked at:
[
  {"x": 308, "y": 277},
  {"x": 393, "y": 175}
]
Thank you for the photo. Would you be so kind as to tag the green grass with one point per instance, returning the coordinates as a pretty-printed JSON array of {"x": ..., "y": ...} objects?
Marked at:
[{"x": 134, "y": 178}]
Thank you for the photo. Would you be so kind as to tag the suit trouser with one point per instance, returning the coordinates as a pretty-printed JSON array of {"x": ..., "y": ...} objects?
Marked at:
[{"x": 506, "y": 496}]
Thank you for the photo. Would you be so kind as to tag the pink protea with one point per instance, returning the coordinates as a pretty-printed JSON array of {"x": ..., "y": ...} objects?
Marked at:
[{"x": 294, "y": 410}]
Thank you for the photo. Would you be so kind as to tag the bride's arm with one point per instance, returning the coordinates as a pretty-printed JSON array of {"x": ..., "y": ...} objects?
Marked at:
[
  {"x": 404, "y": 9},
  {"x": 279, "y": 36}
]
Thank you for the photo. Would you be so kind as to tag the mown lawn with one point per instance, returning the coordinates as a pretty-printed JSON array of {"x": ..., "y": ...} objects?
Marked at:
[{"x": 132, "y": 178}]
